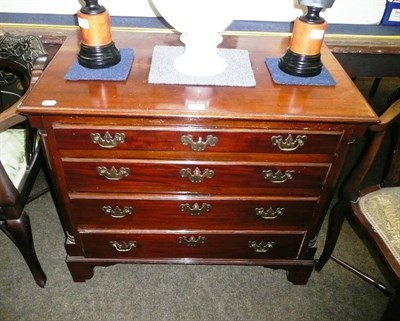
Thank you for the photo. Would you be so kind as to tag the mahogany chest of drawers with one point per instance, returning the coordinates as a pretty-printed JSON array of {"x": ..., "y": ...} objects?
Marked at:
[{"x": 143, "y": 177}]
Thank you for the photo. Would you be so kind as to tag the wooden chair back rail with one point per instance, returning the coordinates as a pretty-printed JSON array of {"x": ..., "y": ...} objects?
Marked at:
[{"x": 351, "y": 188}]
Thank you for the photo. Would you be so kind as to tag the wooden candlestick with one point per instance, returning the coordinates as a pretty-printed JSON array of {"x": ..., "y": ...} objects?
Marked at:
[
  {"x": 97, "y": 49},
  {"x": 303, "y": 57}
]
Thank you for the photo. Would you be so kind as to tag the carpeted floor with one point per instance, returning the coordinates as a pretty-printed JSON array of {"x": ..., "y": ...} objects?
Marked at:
[{"x": 177, "y": 292}]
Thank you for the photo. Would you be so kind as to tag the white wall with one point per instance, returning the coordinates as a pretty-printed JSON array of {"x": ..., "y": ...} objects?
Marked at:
[{"x": 343, "y": 11}]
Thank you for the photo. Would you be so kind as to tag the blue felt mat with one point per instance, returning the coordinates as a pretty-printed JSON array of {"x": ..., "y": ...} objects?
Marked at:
[
  {"x": 282, "y": 78},
  {"x": 118, "y": 72}
]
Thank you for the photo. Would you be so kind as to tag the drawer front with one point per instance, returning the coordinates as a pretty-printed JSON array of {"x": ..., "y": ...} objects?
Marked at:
[
  {"x": 206, "y": 178},
  {"x": 194, "y": 213},
  {"x": 198, "y": 140},
  {"x": 191, "y": 245}
]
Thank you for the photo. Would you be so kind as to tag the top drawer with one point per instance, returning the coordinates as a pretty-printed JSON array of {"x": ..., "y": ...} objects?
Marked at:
[{"x": 184, "y": 139}]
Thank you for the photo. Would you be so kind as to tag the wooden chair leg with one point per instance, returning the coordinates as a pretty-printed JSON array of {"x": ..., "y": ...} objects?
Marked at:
[
  {"x": 336, "y": 218},
  {"x": 392, "y": 312},
  {"x": 19, "y": 231}
]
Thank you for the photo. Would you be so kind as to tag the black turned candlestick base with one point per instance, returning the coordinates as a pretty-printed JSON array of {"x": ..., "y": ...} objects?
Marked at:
[
  {"x": 300, "y": 65},
  {"x": 97, "y": 57}
]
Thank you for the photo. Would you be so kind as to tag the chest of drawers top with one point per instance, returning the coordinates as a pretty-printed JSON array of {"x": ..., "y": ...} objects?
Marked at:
[{"x": 136, "y": 97}]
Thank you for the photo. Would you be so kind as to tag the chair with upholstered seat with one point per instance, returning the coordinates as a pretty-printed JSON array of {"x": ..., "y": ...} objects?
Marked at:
[
  {"x": 376, "y": 208},
  {"x": 22, "y": 59}
]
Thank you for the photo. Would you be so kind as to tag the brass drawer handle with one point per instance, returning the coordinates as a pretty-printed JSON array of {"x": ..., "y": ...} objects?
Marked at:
[
  {"x": 196, "y": 176},
  {"x": 117, "y": 212},
  {"x": 289, "y": 144},
  {"x": 113, "y": 174},
  {"x": 199, "y": 146},
  {"x": 270, "y": 213},
  {"x": 123, "y": 246},
  {"x": 191, "y": 240},
  {"x": 107, "y": 141},
  {"x": 261, "y": 247},
  {"x": 196, "y": 209},
  {"x": 278, "y": 177}
]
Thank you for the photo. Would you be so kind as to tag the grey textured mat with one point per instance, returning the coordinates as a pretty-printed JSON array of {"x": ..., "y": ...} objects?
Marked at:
[{"x": 238, "y": 73}]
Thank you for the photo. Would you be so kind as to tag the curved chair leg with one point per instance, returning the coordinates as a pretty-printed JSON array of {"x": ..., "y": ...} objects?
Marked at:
[
  {"x": 392, "y": 311},
  {"x": 336, "y": 218},
  {"x": 19, "y": 231}
]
